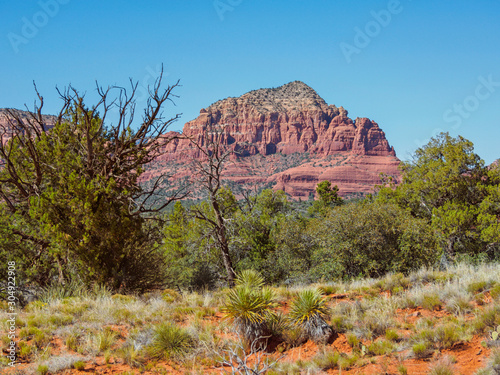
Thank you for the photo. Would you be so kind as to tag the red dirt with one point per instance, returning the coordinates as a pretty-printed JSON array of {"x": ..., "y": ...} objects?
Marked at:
[{"x": 468, "y": 357}]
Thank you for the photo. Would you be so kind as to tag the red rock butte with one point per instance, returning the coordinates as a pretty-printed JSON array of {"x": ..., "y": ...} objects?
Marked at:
[{"x": 286, "y": 138}]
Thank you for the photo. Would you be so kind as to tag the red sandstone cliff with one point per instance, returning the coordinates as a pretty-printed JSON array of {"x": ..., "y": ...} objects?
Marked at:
[
  {"x": 289, "y": 138},
  {"x": 6, "y": 123}
]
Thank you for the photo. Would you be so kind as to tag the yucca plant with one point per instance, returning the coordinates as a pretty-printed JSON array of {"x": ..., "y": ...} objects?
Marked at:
[
  {"x": 250, "y": 307},
  {"x": 249, "y": 278},
  {"x": 308, "y": 311}
]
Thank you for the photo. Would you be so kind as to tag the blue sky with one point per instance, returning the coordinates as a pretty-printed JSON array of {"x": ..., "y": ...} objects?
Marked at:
[{"x": 415, "y": 67}]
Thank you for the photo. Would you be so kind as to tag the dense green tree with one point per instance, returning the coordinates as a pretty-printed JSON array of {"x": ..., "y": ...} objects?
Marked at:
[
  {"x": 73, "y": 192},
  {"x": 370, "y": 239},
  {"x": 447, "y": 184},
  {"x": 327, "y": 198}
]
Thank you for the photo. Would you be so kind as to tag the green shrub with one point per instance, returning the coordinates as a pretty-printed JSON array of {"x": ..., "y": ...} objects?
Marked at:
[
  {"x": 294, "y": 336},
  {"x": 60, "y": 320},
  {"x": 107, "y": 337},
  {"x": 340, "y": 324},
  {"x": 170, "y": 296},
  {"x": 447, "y": 335},
  {"x": 431, "y": 302},
  {"x": 459, "y": 305},
  {"x": 489, "y": 318},
  {"x": 79, "y": 365},
  {"x": 170, "y": 342},
  {"x": 25, "y": 349},
  {"x": 123, "y": 298},
  {"x": 328, "y": 289},
  {"x": 346, "y": 363},
  {"x": 42, "y": 370},
  {"x": 420, "y": 349},
  {"x": 476, "y": 287},
  {"x": 391, "y": 335},
  {"x": 326, "y": 360},
  {"x": 132, "y": 355},
  {"x": 495, "y": 292},
  {"x": 352, "y": 340},
  {"x": 71, "y": 341},
  {"x": 381, "y": 347}
]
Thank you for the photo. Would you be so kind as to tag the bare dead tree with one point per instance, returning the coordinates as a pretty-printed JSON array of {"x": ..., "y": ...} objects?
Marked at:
[
  {"x": 248, "y": 361},
  {"x": 208, "y": 174}
]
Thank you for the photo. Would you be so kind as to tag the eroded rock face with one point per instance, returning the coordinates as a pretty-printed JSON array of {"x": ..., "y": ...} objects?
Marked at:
[
  {"x": 289, "y": 138},
  {"x": 286, "y": 138},
  {"x": 6, "y": 122}
]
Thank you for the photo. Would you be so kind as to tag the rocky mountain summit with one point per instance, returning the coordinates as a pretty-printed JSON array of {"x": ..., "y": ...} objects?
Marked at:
[
  {"x": 284, "y": 138},
  {"x": 287, "y": 138}
]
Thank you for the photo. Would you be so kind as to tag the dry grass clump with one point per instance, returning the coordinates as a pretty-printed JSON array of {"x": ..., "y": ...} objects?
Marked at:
[
  {"x": 170, "y": 342},
  {"x": 443, "y": 366},
  {"x": 369, "y": 318}
]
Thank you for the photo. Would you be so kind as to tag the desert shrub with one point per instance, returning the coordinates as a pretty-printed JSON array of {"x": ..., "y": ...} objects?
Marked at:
[
  {"x": 371, "y": 239},
  {"x": 42, "y": 370},
  {"x": 132, "y": 356},
  {"x": 488, "y": 319},
  {"x": 60, "y": 291},
  {"x": 327, "y": 289},
  {"x": 170, "y": 296},
  {"x": 442, "y": 367},
  {"x": 308, "y": 311},
  {"x": 446, "y": 335},
  {"x": 60, "y": 320},
  {"x": 107, "y": 338},
  {"x": 431, "y": 302},
  {"x": 326, "y": 360},
  {"x": 459, "y": 305},
  {"x": 123, "y": 298},
  {"x": 294, "y": 336},
  {"x": 381, "y": 347},
  {"x": 477, "y": 286},
  {"x": 495, "y": 292},
  {"x": 391, "y": 335},
  {"x": 170, "y": 342},
  {"x": 71, "y": 340},
  {"x": 79, "y": 365},
  {"x": 347, "y": 362},
  {"x": 394, "y": 283},
  {"x": 375, "y": 322},
  {"x": 421, "y": 349},
  {"x": 352, "y": 340},
  {"x": 339, "y": 323}
]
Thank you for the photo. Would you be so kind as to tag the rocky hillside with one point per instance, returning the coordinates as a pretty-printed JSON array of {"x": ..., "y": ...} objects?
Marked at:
[
  {"x": 287, "y": 138},
  {"x": 6, "y": 128}
]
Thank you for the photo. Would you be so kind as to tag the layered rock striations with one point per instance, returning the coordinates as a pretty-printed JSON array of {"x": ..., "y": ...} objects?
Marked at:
[
  {"x": 284, "y": 138},
  {"x": 287, "y": 138}
]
